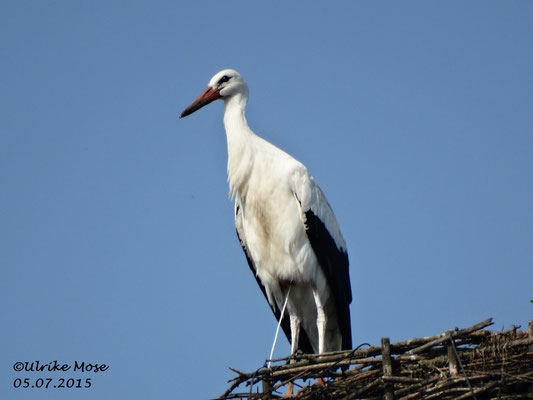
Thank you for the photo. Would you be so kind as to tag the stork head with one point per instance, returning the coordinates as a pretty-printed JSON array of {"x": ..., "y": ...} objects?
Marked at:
[{"x": 224, "y": 85}]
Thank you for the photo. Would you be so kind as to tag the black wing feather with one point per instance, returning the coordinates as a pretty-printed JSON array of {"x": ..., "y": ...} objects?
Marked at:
[{"x": 334, "y": 263}]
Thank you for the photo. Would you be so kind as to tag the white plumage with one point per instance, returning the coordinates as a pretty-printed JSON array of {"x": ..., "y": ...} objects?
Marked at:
[{"x": 286, "y": 227}]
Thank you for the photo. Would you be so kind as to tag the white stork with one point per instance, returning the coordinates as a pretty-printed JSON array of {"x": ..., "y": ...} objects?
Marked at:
[{"x": 286, "y": 227}]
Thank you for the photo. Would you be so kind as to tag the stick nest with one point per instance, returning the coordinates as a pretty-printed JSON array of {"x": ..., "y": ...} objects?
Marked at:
[{"x": 472, "y": 363}]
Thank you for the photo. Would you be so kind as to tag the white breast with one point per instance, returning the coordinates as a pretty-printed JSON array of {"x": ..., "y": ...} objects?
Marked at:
[{"x": 272, "y": 223}]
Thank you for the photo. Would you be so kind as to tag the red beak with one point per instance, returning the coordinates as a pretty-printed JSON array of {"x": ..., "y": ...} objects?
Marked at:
[{"x": 206, "y": 97}]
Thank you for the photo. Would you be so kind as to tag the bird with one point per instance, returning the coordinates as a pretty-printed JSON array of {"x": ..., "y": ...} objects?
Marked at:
[{"x": 286, "y": 227}]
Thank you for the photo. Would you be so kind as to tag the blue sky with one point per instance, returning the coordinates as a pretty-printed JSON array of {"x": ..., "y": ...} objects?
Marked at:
[{"x": 117, "y": 239}]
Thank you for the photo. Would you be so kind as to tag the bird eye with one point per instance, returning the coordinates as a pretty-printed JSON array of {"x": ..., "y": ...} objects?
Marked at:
[{"x": 224, "y": 79}]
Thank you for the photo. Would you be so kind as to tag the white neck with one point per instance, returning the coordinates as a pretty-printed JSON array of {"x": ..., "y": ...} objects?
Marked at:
[{"x": 239, "y": 137}]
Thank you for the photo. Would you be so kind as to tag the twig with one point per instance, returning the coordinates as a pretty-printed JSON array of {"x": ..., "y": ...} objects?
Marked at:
[{"x": 461, "y": 366}]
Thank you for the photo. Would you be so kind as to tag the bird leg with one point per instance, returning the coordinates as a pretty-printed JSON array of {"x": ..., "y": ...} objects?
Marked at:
[
  {"x": 321, "y": 320},
  {"x": 295, "y": 335},
  {"x": 290, "y": 390}
]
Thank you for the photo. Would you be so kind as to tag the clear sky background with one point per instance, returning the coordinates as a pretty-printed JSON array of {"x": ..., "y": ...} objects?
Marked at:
[{"x": 117, "y": 242}]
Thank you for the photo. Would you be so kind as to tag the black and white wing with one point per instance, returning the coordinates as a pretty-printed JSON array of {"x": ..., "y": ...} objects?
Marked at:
[{"x": 328, "y": 245}]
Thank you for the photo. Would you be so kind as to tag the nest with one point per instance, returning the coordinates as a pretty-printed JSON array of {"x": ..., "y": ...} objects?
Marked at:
[{"x": 471, "y": 363}]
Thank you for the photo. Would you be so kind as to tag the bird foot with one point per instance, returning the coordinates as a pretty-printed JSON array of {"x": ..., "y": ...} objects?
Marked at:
[{"x": 319, "y": 382}]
